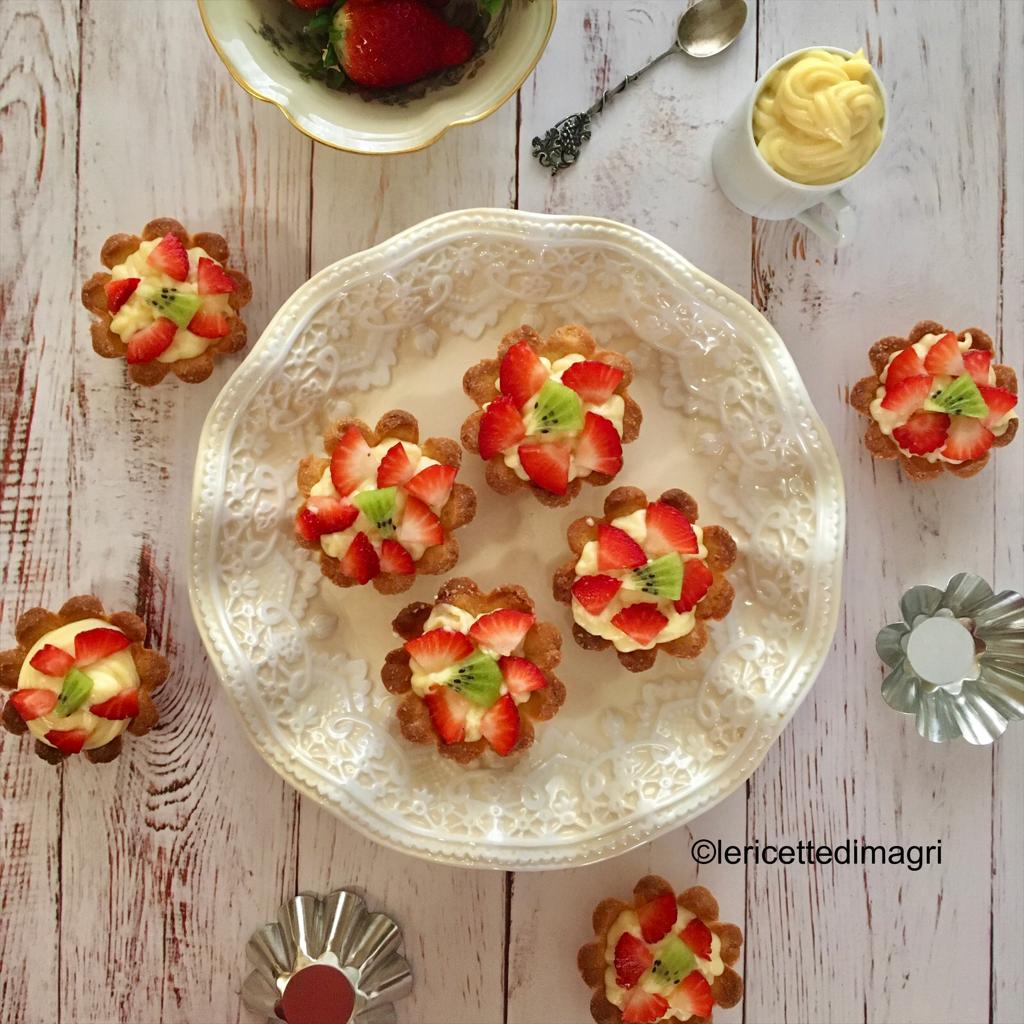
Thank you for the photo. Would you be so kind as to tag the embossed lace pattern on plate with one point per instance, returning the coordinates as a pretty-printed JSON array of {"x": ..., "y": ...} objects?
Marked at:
[{"x": 676, "y": 739}]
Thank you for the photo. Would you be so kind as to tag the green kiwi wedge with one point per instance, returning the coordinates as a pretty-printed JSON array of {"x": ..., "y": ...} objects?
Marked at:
[
  {"x": 661, "y": 578},
  {"x": 76, "y": 688},
  {"x": 673, "y": 962},
  {"x": 379, "y": 507},
  {"x": 961, "y": 398},
  {"x": 477, "y": 678},
  {"x": 557, "y": 408},
  {"x": 178, "y": 307}
]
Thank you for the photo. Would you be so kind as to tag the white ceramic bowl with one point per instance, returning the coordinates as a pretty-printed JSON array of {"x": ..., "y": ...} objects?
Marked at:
[
  {"x": 252, "y": 38},
  {"x": 725, "y": 417}
]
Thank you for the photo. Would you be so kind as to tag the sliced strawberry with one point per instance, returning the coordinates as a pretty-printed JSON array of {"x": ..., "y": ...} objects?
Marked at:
[
  {"x": 67, "y": 741},
  {"x": 547, "y": 465},
  {"x": 999, "y": 402},
  {"x": 968, "y": 439},
  {"x": 697, "y": 580},
  {"x": 360, "y": 562},
  {"x": 944, "y": 357},
  {"x": 908, "y": 396},
  {"x": 323, "y": 514},
  {"x": 592, "y": 380},
  {"x": 447, "y": 713},
  {"x": 351, "y": 461},
  {"x": 122, "y": 705},
  {"x": 906, "y": 364},
  {"x": 522, "y": 374},
  {"x": 641, "y": 621},
  {"x": 212, "y": 278},
  {"x": 151, "y": 341},
  {"x": 31, "y": 704},
  {"x": 395, "y": 468},
  {"x": 599, "y": 447},
  {"x": 93, "y": 644},
  {"x": 922, "y": 433},
  {"x": 419, "y": 526},
  {"x": 693, "y": 995},
  {"x": 433, "y": 485},
  {"x": 500, "y": 725},
  {"x": 501, "y": 428},
  {"x": 119, "y": 292},
  {"x": 438, "y": 649},
  {"x": 594, "y": 592},
  {"x": 669, "y": 530},
  {"x": 521, "y": 675},
  {"x": 632, "y": 958},
  {"x": 501, "y": 631},
  {"x": 617, "y": 550},
  {"x": 170, "y": 257},
  {"x": 643, "y": 1007},
  {"x": 209, "y": 325},
  {"x": 52, "y": 661},
  {"x": 394, "y": 558},
  {"x": 697, "y": 935},
  {"x": 977, "y": 363},
  {"x": 658, "y": 915}
]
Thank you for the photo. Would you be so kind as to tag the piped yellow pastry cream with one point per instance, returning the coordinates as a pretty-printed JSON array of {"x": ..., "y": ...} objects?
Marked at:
[{"x": 818, "y": 118}]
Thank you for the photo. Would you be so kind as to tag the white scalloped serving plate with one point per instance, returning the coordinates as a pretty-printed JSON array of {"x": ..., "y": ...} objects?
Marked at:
[{"x": 726, "y": 417}]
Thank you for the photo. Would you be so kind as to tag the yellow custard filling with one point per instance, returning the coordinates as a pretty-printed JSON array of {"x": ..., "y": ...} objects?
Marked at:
[
  {"x": 137, "y": 314},
  {"x": 109, "y": 675},
  {"x": 818, "y": 119}
]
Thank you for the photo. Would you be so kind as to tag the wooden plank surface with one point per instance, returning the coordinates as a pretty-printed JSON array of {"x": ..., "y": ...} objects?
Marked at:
[{"x": 202, "y": 840}]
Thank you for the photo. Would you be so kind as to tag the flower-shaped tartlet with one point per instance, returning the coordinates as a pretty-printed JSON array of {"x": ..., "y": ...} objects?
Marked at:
[
  {"x": 936, "y": 401},
  {"x": 79, "y": 678},
  {"x": 552, "y": 413},
  {"x": 169, "y": 303},
  {"x": 382, "y": 507},
  {"x": 645, "y": 577},
  {"x": 661, "y": 957},
  {"x": 476, "y": 671}
]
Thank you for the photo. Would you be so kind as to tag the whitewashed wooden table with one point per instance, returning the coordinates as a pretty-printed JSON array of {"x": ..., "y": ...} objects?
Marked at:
[{"x": 127, "y": 892}]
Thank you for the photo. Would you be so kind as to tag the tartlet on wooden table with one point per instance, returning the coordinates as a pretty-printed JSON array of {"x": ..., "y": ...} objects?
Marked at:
[
  {"x": 631, "y": 581},
  {"x": 903, "y": 380},
  {"x": 559, "y": 408},
  {"x": 500, "y": 665},
  {"x": 176, "y": 275},
  {"x": 73, "y": 656},
  {"x": 385, "y": 473},
  {"x": 661, "y": 957}
]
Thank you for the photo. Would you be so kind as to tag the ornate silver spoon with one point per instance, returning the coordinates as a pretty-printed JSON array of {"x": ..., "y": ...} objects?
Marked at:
[{"x": 705, "y": 29}]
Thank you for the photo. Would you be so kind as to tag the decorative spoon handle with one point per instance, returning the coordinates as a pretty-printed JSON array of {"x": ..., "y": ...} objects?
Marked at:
[{"x": 560, "y": 146}]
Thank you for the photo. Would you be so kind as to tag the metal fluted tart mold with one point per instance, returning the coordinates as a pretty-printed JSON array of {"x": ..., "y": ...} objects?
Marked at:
[
  {"x": 457, "y": 511},
  {"x": 715, "y": 604},
  {"x": 727, "y": 987},
  {"x": 33, "y": 625},
  {"x": 883, "y": 447},
  {"x": 479, "y": 383},
  {"x": 541, "y": 645},
  {"x": 116, "y": 249},
  {"x": 980, "y": 706},
  {"x": 322, "y": 947}
]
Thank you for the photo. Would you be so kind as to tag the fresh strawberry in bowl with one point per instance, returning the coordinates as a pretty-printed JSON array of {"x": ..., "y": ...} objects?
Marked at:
[{"x": 379, "y": 76}]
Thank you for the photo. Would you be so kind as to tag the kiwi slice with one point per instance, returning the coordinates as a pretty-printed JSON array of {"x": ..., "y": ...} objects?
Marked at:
[
  {"x": 557, "y": 408},
  {"x": 961, "y": 398},
  {"x": 379, "y": 507},
  {"x": 179, "y": 307},
  {"x": 662, "y": 578},
  {"x": 477, "y": 678},
  {"x": 674, "y": 961},
  {"x": 76, "y": 687}
]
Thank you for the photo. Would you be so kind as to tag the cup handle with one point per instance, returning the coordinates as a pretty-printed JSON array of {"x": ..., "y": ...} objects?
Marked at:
[{"x": 837, "y": 233}]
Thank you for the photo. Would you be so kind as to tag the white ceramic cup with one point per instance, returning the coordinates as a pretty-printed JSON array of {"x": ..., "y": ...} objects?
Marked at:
[{"x": 756, "y": 188}]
